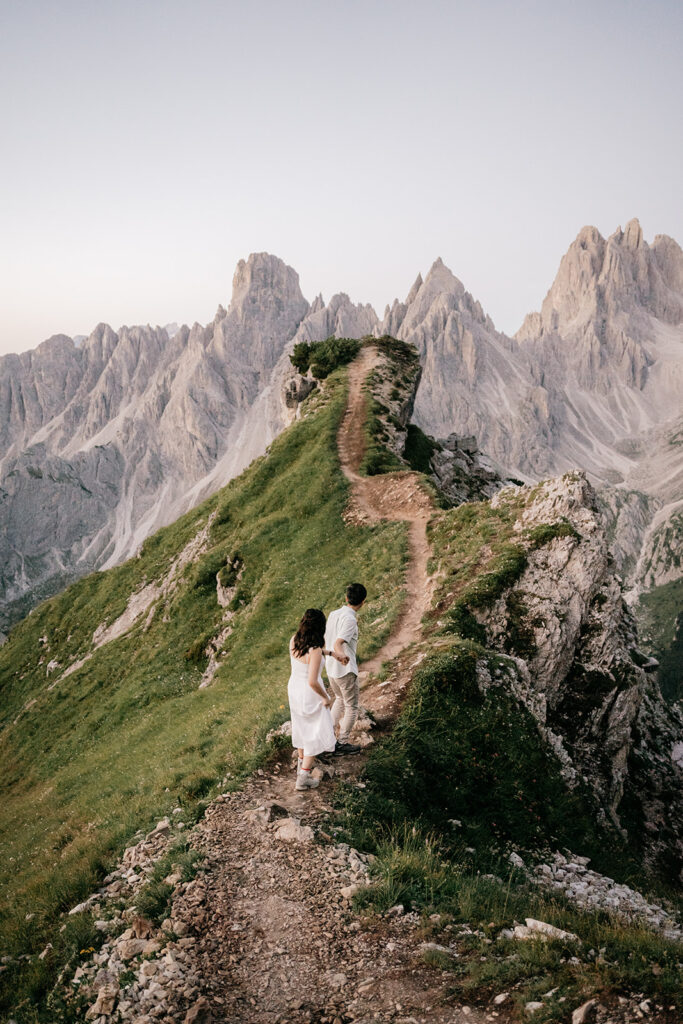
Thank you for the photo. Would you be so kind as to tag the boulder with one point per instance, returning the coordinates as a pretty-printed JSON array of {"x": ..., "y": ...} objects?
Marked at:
[{"x": 290, "y": 830}]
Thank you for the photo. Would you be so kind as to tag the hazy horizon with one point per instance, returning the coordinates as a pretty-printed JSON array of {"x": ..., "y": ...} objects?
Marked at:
[{"x": 149, "y": 148}]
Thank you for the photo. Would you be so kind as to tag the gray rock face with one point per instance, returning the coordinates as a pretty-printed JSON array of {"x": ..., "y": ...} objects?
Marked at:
[
  {"x": 103, "y": 442},
  {"x": 582, "y": 676},
  {"x": 462, "y": 472},
  {"x": 583, "y": 380},
  {"x": 474, "y": 379},
  {"x": 593, "y": 381}
]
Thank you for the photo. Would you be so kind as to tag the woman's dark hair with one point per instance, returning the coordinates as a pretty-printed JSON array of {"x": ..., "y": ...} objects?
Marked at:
[{"x": 311, "y": 632}]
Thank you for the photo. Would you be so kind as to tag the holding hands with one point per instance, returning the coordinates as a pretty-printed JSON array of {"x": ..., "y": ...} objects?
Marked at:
[{"x": 343, "y": 659}]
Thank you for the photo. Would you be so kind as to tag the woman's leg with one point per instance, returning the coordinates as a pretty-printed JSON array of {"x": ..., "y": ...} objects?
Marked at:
[{"x": 307, "y": 763}]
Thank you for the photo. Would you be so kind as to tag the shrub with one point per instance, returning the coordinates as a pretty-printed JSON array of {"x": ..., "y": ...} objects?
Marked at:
[
  {"x": 154, "y": 900},
  {"x": 196, "y": 652},
  {"x": 322, "y": 357},
  {"x": 207, "y": 568},
  {"x": 227, "y": 576},
  {"x": 545, "y": 532}
]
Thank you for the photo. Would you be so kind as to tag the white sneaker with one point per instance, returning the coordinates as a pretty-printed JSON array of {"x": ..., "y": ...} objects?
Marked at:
[{"x": 306, "y": 781}]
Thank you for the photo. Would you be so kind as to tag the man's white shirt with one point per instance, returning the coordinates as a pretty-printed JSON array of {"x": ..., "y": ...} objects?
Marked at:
[{"x": 342, "y": 623}]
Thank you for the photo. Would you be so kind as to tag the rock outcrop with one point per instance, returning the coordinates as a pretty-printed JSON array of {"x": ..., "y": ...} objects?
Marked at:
[{"x": 582, "y": 675}]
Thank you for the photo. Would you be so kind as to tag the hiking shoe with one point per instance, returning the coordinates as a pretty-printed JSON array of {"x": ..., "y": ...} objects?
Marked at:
[
  {"x": 304, "y": 781},
  {"x": 346, "y": 748}
]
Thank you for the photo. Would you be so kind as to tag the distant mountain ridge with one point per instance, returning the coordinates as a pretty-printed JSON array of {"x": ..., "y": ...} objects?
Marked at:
[
  {"x": 595, "y": 380},
  {"x": 103, "y": 441}
]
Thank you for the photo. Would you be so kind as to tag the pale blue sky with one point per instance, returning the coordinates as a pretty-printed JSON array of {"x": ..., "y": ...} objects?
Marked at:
[{"x": 148, "y": 146}]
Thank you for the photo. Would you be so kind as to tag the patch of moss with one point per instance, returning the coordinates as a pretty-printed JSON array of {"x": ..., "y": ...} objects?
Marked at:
[
  {"x": 520, "y": 638},
  {"x": 544, "y": 533}
]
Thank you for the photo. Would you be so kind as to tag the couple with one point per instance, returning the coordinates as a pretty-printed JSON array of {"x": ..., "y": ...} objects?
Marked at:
[{"x": 314, "y": 716}]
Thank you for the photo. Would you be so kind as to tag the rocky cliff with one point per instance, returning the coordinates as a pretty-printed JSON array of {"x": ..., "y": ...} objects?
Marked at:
[{"x": 544, "y": 595}]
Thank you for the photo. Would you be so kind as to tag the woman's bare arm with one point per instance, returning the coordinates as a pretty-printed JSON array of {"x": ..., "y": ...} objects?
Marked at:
[{"x": 315, "y": 656}]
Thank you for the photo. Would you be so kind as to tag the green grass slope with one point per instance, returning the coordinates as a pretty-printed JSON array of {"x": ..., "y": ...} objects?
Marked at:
[
  {"x": 129, "y": 735},
  {"x": 660, "y": 614}
]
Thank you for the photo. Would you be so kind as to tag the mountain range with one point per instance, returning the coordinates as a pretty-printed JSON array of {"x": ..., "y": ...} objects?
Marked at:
[{"x": 105, "y": 439}]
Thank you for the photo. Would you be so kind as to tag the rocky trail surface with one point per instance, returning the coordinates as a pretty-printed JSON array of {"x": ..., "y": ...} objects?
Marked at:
[{"x": 266, "y": 933}]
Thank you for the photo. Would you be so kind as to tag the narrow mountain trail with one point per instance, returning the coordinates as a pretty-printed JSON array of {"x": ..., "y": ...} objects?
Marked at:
[
  {"x": 388, "y": 496},
  {"x": 271, "y": 933}
]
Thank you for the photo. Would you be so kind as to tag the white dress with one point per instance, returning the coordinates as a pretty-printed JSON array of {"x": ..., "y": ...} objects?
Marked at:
[{"x": 312, "y": 728}]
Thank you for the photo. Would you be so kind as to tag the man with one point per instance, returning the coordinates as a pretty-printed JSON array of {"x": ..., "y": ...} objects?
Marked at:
[{"x": 341, "y": 635}]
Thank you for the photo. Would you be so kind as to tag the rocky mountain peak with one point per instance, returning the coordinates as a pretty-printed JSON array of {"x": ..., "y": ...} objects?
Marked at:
[
  {"x": 597, "y": 279},
  {"x": 633, "y": 235},
  {"x": 264, "y": 279},
  {"x": 415, "y": 289},
  {"x": 340, "y": 317},
  {"x": 429, "y": 304}
]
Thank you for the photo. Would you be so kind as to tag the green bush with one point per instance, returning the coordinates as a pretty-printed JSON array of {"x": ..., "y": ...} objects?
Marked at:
[
  {"x": 545, "y": 532},
  {"x": 154, "y": 900},
  {"x": 227, "y": 577},
  {"x": 322, "y": 357},
  {"x": 196, "y": 652},
  {"x": 205, "y": 571}
]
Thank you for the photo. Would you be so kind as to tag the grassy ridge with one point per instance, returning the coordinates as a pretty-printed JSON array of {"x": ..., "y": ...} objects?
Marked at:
[
  {"x": 395, "y": 382},
  {"x": 129, "y": 735},
  {"x": 478, "y": 758}
]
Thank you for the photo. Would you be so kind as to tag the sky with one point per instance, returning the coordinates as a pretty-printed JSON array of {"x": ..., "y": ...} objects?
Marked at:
[{"x": 148, "y": 146}]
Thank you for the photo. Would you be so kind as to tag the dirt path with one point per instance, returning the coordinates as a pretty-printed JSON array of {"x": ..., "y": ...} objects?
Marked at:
[
  {"x": 389, "y": 496},
  {"x": 276, "y": 939}
]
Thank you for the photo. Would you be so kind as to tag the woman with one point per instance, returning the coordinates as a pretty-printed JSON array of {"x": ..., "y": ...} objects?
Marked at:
[{"x": 312, "y": 729}]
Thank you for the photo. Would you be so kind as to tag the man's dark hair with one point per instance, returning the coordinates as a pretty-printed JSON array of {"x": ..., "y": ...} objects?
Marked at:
[{"x": 356, "y": 593}]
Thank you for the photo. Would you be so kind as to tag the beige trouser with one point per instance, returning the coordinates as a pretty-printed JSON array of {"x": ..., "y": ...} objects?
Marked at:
[{"x": 345, "y": 707}]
